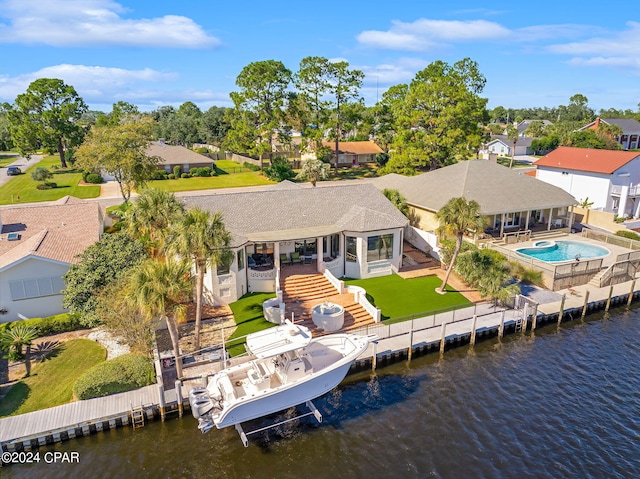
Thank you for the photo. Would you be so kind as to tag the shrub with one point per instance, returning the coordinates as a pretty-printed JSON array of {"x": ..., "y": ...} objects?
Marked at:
[
  {"x": 185, "y": 175},
  {"x": 49, "y": 185},
  {"x": 202, "y": 150},
  {"x": 41, "y": 174},
  {"x": 124, "y": 373},
  {"x": 177, "y": 171},
  {"x": 60, "y": 323},
  {"x": 205, "y": 171},
  {"x": 251, "y": 166},
  {"x": 160, "y": 175},
  {"x": 94, "y": 178},
  {"x": 628, "y": 234},
  {"x": 171, "y": 176},
  {"x": 279, "y": 170}
]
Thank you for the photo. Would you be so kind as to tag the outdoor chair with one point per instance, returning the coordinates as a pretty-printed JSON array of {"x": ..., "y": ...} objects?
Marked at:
[
  {"x": 252, "y": 262},
  {"x": 295, "y": 257},
  {"x": 284, "y": 259}
]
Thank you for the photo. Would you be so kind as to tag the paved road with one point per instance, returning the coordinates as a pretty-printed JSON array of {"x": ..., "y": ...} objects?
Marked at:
[{"x": 21, "y": 163}]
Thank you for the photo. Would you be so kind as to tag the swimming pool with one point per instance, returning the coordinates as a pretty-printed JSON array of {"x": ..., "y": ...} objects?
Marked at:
[{"x": 559, "y": 251}]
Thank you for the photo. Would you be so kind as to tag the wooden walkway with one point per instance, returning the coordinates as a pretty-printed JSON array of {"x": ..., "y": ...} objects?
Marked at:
[{"x": 75, "y": 414}]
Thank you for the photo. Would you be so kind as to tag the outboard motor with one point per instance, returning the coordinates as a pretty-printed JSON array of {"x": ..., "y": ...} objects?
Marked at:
[{"x": 200, "y": 402}]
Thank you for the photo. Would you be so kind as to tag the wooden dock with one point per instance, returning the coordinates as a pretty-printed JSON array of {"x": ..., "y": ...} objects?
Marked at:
[{"x": 395, "y": 342}]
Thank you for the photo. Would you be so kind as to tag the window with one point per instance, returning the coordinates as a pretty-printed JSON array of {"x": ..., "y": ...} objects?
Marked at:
[
  {"x": 379, "y": 247},
  {"x": 306, "y": 247},
  {"x": 35, "y": 288},
  {"x": 240, "y": 255},
  {"x": 222, "y": 269},
  {"x": 331, "y": 245},
  {"x": 352, "y": 250}
]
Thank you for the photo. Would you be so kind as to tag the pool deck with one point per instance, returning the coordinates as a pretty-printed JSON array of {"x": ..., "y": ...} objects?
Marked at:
[{"x": 607, "y": 261}]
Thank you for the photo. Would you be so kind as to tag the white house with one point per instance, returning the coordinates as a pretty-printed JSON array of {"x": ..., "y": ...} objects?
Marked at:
[
  {"x": 608, "y": 178},
  {"x": 37, "y": 245},
  {"x": 350, "y": 230},
  {"x": 501, "y": 145},
  {"x": 630, "y": 137}
]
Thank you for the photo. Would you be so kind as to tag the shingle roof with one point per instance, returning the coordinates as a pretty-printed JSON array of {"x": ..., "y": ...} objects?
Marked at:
[
  {"x": 496, "y": 188},
  {"x": 56, "y": 231},
  {"x": 287, "y": 214},
  {"x": 176, "y": 154},
  {"x": 521, "y": 141},
  {"x": 355, "y": 147},
  {"x": 587, "y": 159},
  {"x": 628, "y": 125}
]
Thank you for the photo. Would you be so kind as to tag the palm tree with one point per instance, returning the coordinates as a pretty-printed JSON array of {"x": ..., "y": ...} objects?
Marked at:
[
  {"x": 512, "y": 134},
  {"x": 203, "y": 238},
  {"x": 161, "y": 289},
  {"x": 398, "y": 200},
  {"x": 456, "y": 218},
  {"x": 151, "y": 215},
  {"x": 13, "y": 339}
]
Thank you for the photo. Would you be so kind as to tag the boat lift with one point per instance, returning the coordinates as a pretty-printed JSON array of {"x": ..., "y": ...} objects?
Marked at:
[{"x": 312, "y": 410}]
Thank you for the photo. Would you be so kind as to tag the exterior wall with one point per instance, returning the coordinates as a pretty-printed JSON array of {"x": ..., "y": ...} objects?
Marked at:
[
  {"x": 32, "y": 268},
  {"x": 499, "y": 148},
  {"x": 364, "y": 269},
  {"x": 427, "y": 220},
  {"x": 226, "y": 288},
  {"x": 581, "y": 185}
]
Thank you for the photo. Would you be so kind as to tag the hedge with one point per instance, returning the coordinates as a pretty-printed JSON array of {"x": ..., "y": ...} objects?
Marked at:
[
  {"x": 94, "y": 179},
  {"x": 60, "y": 323},
  {"x": 124, "y": 373}
]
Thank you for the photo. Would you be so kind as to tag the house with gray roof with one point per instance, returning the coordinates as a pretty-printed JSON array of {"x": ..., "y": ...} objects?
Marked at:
[
  {"x": 37, "y": 246},
  {"x": 630, "y": 137},
  {"x": 172, "y": 156},
  {"x": 501, "y": 145},
  {"x": 511, "y": 200},
  {"x": 349, "y": 230}
]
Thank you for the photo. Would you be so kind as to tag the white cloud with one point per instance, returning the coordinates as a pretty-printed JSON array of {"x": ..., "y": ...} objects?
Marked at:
[
  {"x": 386, "y": 74},
  {"x": 99, "y": 86},
  {"x": 94, "y": 23},
  {"x": 424, "y": 34}
]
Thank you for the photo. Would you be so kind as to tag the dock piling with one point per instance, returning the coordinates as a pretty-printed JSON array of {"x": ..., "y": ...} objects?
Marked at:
[
  {"x": 630, "y": 298},
  {"x": 501, "y": 328},
  {"x": 410, "y": 351},
  {"x": 564, "y": 297},
  {"x": 609, "y": 299},
  {"x": 161, "y": 401},
  {"x": 586, "y": 304},
  {"x": 473, "y": 330},
  {"x": 442, "y": 337},
  {"x": 179, "y": 397}
]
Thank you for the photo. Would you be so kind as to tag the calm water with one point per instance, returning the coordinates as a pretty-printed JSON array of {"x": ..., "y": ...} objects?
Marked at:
[
  {"x": 565, "y": 251},
  {"x": 561, "y": 404}
]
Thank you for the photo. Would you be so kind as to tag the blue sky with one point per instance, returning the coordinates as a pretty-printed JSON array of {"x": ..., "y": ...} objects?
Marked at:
[{"x": 154, "y": 53}]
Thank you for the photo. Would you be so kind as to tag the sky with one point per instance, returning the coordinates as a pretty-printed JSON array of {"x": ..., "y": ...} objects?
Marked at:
[{"x": 161, "y": 52}]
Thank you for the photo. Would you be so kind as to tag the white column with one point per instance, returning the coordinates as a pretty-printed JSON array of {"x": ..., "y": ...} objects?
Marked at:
[
  {"x": 622, "y": 206},
  {"x": 320, "y": 252},
  {"x": 526, "y": 225},
  {"x": 501, "y": 225},
  {"x": 637, "y": 212},
  {"x": 276, "y": 254},
  {"x": 549, "y": 219}
]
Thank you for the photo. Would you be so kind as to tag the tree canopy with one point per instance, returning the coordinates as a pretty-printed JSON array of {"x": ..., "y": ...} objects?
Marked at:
[
  {"x": 120, "y": 150},
  {"x": 438, "y": 119},
  {"x": 46, "y": 116}
]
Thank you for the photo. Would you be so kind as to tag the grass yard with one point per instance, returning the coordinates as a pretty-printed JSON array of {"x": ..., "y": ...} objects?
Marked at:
[
  {"x": 6, "y": 158},
  {"x": 362, "y": 171},
  {"x": 247, "y": 312},
  {"x": 51, "y": 381},
  {"x": 22, "y": 189},
  {"x": 505, "y": 161},
  {"x": 398, "y": 297}
]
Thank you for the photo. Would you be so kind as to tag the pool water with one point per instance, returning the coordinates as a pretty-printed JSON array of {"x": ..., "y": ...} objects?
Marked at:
[{"x": 564, "y": 251}]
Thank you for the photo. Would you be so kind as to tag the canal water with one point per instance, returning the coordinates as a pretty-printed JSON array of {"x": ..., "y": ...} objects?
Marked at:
[{"x": 558, "y": 404}]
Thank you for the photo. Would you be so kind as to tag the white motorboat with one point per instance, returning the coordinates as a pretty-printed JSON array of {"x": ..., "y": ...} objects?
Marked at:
[{"x": 287, "y": 368}]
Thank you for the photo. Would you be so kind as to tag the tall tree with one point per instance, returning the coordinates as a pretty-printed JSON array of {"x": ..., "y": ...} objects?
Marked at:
[
  {"x": 120, "y": 150},
  {"x": 214, "y": 125},
  {"x": 312, "y": 82},
  {"x": 162, "y": 289},
  {"x": 440, "y": 119},
  {"x": 456, "y": 218},
  {"x": 120, "y": 112},
  {"x": 47, "y": 116},
  {"x": 203, "y": 238},
  {"x": 259, "y": 106},
  {"x": 151, "y": 216},
  {"x": 344, "y": 85}
]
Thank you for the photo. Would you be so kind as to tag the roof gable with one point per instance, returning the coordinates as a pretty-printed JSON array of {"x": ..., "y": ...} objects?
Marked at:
[
  {"x": 170, "y": 154},
  {"x": 355, "y": 147},
  {"x": 496, "y": 188},
  {"x": 587, "y": 159}
]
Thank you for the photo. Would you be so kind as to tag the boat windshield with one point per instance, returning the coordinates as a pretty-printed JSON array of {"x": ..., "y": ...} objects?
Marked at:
[{"x": 278, "y": 340}]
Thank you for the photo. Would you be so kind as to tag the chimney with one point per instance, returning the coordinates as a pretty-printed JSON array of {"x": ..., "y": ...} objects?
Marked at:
[{"x": 597, "y": 124}]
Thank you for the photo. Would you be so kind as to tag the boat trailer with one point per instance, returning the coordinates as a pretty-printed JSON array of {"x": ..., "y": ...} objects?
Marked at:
[{"x": 312, "y": 410}]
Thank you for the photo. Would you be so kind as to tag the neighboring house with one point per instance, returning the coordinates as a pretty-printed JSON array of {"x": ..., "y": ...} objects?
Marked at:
[
  {"x": 524, "y": 124},
  {"x": 511, "y": 200},
  {"x": 609, "y": 178},
  {"x": 350, "y": 230},
  {"x": 352, "y": 153},
  {"x": 502, "y": 145},
  {"x": 630, "y": 138},
  {"x": 37, "y": 245},
  {"x": 172, "y": 156}
]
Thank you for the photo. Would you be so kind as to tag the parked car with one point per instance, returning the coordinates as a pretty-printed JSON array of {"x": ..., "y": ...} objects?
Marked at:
[{"x": 13, "y": 171}]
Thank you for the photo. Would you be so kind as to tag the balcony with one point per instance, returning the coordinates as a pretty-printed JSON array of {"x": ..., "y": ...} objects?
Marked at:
[{"x": 634, "y": 190}]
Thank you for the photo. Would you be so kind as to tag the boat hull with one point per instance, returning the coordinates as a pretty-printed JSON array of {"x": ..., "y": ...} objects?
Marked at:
[{"x": 293, "y": 394}]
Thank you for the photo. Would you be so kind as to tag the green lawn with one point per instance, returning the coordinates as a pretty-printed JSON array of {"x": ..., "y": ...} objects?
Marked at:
[
  {"x": 398, "y": 297},
  {"x": 51, "y": 381},
  {"x": 247, "y": 312},
  {"x": 22, "y": 189},
  {"x": 6, "y": 158},
  {"x": 505, "y": 161}
]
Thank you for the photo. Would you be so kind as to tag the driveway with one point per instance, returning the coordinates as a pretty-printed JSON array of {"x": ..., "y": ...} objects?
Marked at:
[{"x": 21, "y": 163}]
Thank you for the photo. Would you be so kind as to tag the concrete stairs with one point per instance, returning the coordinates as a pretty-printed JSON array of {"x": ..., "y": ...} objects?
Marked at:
[
  {"x": 595, "y": 281},
  {"x": 302, "y": 292}
]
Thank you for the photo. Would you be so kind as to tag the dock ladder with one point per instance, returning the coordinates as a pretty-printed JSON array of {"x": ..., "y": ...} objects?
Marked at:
[
  {"x": 518, "y": 323},
  {"x": 137, "y": 416}
]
